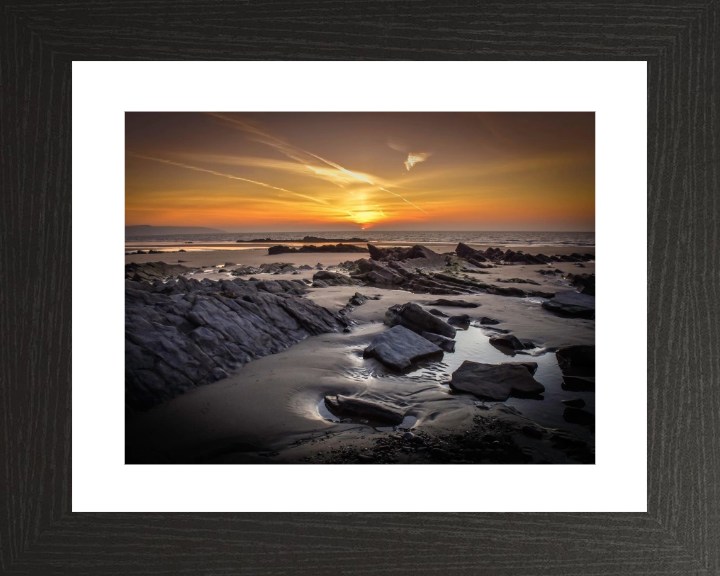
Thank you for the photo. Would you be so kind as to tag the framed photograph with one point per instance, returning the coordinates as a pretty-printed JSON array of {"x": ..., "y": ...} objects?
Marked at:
[{"x": 341, "y": 316}]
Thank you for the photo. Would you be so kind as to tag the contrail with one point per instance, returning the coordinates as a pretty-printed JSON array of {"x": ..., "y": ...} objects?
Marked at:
[
  {"x": 222, "y": 174},
  {"x": 362, "y": 179},
  {"x": 283, "y": 146}
]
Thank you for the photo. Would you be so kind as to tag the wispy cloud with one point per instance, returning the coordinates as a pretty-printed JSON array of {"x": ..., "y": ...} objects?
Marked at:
[
  {"x": 224, "y": 175},
  {"x": 412, "y": 157},
  {"x": 309, "y": 159}
]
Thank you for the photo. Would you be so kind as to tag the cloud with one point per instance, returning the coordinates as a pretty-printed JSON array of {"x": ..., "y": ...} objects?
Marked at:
[
  {"x": 224, "y": 175},
  {"x": 308, "y": 159},
  {"x": 413, "y": 157}
]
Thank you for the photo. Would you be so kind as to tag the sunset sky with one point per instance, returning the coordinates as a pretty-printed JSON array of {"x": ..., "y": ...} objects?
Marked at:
[{"x": 247, "y": 172}]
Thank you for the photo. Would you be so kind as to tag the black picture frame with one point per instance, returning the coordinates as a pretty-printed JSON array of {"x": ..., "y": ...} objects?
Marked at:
[{"x": 681, "y": 530}]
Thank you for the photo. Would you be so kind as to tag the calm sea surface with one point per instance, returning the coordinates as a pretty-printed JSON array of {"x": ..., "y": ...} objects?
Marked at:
[{"x": 494, "y": 238}]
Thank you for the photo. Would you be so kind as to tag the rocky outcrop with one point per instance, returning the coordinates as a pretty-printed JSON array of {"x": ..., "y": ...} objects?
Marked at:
[
  {"x": 421, "y": 255},
  {"x": 572, "y": 304},
  {"x": 402, "y": 274},
  {"x": 376, "y": 412},
  {"x": 324, "y": 278},
  {"x": 266, "y": 268},
  {"x": 183, "y": 333},
  {"x": 328, "y": 248},
  {"x": 412, "y": 316},
  {"x": 151, "y": 271},
  {"x": 458, "y": 303},
  {"x": 585, "y": 283},
  {"x": 495, "y": 382},
  {"x": 514, "y": 257},
  {"x": 399, "y": 347}
]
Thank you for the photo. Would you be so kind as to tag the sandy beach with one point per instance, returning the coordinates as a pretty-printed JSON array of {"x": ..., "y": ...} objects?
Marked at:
[{"x": 272, "y": 409}]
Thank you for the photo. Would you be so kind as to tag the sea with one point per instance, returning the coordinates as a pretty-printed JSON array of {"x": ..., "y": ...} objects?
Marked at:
[{"x": 499, "y": 239}]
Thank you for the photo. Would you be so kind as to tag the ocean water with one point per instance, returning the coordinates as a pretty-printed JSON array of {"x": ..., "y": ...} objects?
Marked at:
[{"x": 493, "y": 238}]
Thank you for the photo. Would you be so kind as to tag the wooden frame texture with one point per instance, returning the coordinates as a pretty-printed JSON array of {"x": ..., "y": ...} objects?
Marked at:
[{"x": 680, "y": 534}]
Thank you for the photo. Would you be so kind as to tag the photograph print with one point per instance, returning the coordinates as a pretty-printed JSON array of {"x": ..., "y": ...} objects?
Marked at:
[{"x": 360, "y": 288}]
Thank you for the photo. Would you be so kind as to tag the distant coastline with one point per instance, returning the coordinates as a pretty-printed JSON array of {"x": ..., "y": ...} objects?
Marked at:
[{"x": 147, "y": 230}]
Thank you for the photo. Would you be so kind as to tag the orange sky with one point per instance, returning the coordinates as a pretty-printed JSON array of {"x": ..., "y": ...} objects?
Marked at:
[{"x": 350, "y": 171}]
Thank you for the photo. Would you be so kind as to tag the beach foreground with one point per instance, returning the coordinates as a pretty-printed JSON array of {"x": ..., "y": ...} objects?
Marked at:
[{"x": 279, "y": 408}]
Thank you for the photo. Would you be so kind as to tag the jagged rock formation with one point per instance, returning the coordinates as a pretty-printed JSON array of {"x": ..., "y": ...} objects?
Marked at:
[
  {"x": 183, "y": 333},
  {"x": 403, "y": 274},
  {"x": 151, "y": 271},
  {"x": 585, "y": 283},
  {"x": 282, "y": 249},
  {"x": 478, "y": 257}
]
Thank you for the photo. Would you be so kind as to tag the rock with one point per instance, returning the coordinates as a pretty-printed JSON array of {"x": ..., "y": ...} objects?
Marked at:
[
  {"x": 333, "y": 278},
  {"x": 318, "y": 266},
  {"x": 577, "y": 357},
  {"x": 436, "y": 312},
  {"x": 417, "y": 252},
  {"x": 578, "y": 416},
  {"x": 532, "y": 431},
  {"x": 495, "y": 382},
  {"x": 531, "y": 366},
  {"x": 517, "y": 281},
  {"x": 459, "y": 320},
  {"x": 154, "y": 271},
  {"x": 574, "y": 402},
  {"x": 458, "y": 303},
  {"x": 304, "y": 267},
  {"x": 572, "y": 304},
  {"x": 358, "y": 299},
  {"x": 347, "y": 406},
  {"x": 578, "y": 383},
  {"x": 183, "y": 333},
  {"x": 412, "y": 316},
  {"x": 489, "y": 321},
  {"x": 327, "y": 248},
  {"x": 507, "y": 341},
  {"x": 399, "y": 347},
  {"x": 245, "y": 271},
  {"x": 447, "y": 344}
]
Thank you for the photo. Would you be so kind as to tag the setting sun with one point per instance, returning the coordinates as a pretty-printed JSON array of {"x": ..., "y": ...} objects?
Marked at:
[{"x": 264, "y": 171}]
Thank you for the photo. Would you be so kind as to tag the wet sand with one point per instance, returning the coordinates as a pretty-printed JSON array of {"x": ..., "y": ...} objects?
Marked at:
[{"x": 271, "y": 409}]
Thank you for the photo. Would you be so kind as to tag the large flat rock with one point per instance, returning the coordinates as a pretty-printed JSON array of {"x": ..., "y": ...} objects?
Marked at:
[
  {"x": 399, "y": 347},
  {"x": 573, "y": 304},
  {"x": 495, "y": 382},
  {"x": 358, "y": 408}
]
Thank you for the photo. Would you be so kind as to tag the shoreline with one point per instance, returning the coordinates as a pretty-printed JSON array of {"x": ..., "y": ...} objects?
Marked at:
[{"x": 269, "y": 409}]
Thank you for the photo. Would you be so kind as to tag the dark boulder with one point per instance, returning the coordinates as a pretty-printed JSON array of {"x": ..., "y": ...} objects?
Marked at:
[
  {"x": 377, "y": 412},
  {"x": 399, "y": 347},
  {"x": 577, "y": 357},
  {"x": 415, "y": 318},
  {"x": 495, "y": 382},
  {"x": 507, "y": 341},
  {"x": 571, "y": 304},
  {"x": 462, "y": 320}
]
